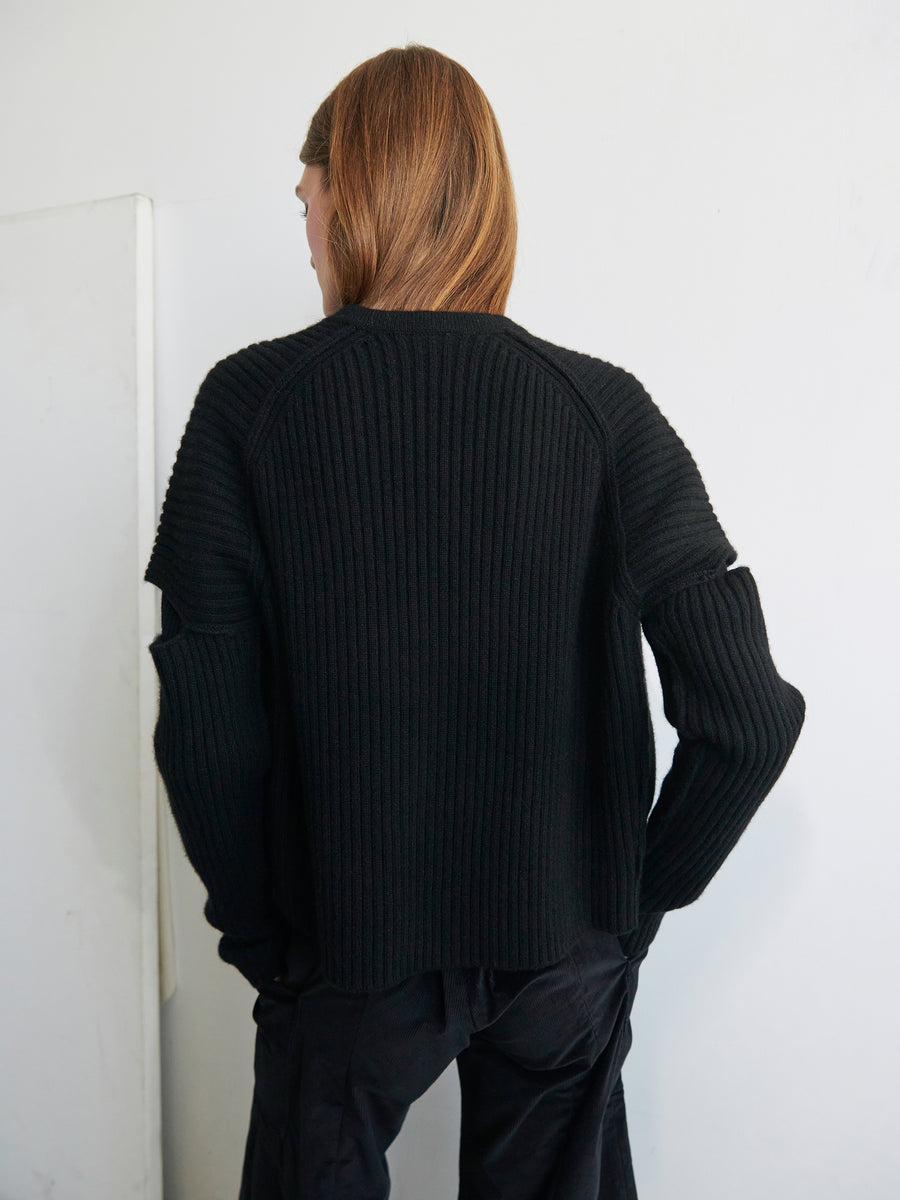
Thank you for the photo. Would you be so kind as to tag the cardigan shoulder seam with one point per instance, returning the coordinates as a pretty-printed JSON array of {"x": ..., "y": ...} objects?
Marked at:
[
  {"x": 579, "y": 386},
  {"x": 268, "y": 410}
]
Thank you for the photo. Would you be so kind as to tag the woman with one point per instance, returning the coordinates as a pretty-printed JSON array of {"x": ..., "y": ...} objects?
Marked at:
[{"x": 406, "y": 556}]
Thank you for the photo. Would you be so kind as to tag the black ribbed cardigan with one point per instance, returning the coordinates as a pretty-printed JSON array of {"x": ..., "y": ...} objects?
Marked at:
[{"x": 405, "y": 560}]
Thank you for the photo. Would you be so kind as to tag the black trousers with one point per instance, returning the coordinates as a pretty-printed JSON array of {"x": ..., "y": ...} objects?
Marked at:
[{"x": 539, "y": 1055}]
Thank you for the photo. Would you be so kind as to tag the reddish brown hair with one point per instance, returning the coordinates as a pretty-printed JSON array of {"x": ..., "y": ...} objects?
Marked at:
[{"x": 424, "y": 213}]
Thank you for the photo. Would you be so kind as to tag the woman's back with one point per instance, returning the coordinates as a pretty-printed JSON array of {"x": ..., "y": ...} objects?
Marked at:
[{"x": 452, "y": 531}]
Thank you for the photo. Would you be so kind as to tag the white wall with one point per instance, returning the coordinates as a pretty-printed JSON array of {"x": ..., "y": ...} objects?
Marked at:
[
  {"x": 79, "y": 1007},
  {"x": 708, "y": 195}
]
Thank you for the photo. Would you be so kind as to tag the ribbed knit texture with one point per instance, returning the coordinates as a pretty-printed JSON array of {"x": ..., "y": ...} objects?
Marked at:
[{"x": 405, "y": 560}]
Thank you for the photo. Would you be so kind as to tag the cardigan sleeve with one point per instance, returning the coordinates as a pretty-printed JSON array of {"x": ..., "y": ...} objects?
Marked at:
[
  {"x": 212, "y": 747},
  {"x": 737, "y": 719},
  {"x": 737, "y": 723},
  {"x": 212, "y": 741},
  {"x": 207, "y": 546},
  {"x": 671, "y": 535}
]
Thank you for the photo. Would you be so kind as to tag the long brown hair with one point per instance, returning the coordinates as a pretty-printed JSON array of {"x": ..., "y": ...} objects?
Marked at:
[{"x": 424, "y": 213}]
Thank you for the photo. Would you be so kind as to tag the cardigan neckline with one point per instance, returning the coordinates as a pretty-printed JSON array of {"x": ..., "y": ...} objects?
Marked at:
[{"x": 422, "y": 320}]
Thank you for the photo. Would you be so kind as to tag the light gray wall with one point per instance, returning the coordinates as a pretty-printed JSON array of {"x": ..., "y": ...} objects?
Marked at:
[
  {"x": 79, "y": 1006},
  {"x": 708, "y": 195}
]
